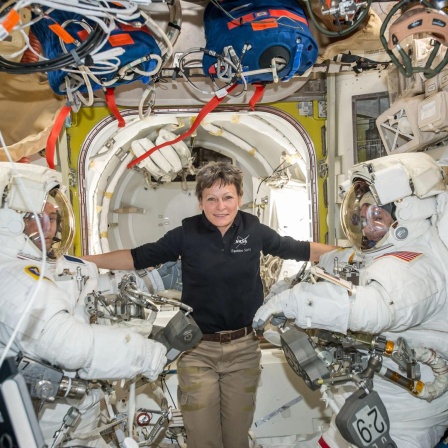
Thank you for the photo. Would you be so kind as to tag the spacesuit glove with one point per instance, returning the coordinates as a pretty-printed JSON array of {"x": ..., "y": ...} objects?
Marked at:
[
  {"x": 277, "y": 306},
  {"x": 155, "y": 359},
  {"x": 140, "y": 326}
]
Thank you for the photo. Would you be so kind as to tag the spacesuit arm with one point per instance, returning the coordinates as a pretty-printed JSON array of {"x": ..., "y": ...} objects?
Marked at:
[
  {"x": 380, "y": 304},
  {"x": 397, "y": 295},
  {"x": 115, "y": 260},
  {"x": 96, "y": 351},
  {"x": 340, "y": 256}
]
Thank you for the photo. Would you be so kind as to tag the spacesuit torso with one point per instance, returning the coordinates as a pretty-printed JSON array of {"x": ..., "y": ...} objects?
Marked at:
[
  {"x": 68, "y": 281},
  {"x": 402, "y": 292},
  {"x": 42, "y": 310},
  {"x": 19, "y": 279}
]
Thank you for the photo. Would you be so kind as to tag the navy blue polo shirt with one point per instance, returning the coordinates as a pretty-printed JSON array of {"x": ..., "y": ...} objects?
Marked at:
[{"x": 221, "y": 274}]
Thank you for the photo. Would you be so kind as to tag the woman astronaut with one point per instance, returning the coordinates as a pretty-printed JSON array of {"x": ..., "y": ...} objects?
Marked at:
[
  {"x": 386, "y": 214},
  {"x": 44, "y": 298}
]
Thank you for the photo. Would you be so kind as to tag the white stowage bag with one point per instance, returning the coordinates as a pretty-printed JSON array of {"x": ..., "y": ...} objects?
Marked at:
[
  {"x": 167, "y": 162},
  {"x": 181, "y": 149},
  {"x": 140, "y": 147}
]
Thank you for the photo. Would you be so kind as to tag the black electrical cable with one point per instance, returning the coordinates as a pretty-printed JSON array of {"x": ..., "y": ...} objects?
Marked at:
[{"x": 83, "y": 52}]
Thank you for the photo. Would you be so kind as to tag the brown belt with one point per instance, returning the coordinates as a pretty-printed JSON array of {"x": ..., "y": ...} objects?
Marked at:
[{"x": 225, "y": 337}]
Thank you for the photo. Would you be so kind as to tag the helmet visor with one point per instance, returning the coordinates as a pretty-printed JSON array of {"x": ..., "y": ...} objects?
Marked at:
[
  {"x": 364, "y": 222},
  {"x": 57, "y": 222}
]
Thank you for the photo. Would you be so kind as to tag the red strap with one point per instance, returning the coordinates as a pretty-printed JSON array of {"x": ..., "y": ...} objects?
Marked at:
[
  {"x": 212, "y": 104},
  {"x": 258, "y": 94},
  {"x": 279, "y": 13},
  {"x": 284, "y": 13},
  {"x": 54, "y": 134},
  {"x": 241, "y": 21},
  {"x": 110, "y": 100}
]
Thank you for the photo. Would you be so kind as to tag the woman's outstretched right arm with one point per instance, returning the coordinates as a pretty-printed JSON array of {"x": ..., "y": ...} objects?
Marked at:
[{"x": 115, "y": 260}]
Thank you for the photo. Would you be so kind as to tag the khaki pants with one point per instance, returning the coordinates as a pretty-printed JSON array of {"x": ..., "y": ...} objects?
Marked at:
[{"x": 217, "y": 389}]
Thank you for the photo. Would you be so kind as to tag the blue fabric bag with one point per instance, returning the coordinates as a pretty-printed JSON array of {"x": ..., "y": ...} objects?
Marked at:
[
  {"x": 137, "y": 43},
  {"x": 273, "y": 28}
]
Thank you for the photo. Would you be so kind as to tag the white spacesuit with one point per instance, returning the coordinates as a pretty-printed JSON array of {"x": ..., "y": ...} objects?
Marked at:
[
  {"x": 402, "y": 291},
  {"x": 42, "y": 298}
]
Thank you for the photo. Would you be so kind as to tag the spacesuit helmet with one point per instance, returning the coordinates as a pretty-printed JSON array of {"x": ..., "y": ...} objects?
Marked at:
[
  {"x": 363, "y": 220},
  {"x": 33, "y": 194},
  {"x": 388, "y": 201},
  {"x": 55, "y": 219}
]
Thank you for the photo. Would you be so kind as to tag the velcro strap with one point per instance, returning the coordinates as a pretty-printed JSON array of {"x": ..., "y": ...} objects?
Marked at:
[
  {"x": 258, "y": 94},
  {"x": 54, "y": 134},
  {"x": 110, "y": 100}
]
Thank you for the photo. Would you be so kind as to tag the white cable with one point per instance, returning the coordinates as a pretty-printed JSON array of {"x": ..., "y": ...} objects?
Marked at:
[
  {"x": 89, "y": 10},
  {"x": 96, "y": 15},
  {"x": 136, "y": 62},
  {"x": 176, "y": 19},
  {"x": 155, "y": 70},
  {"x": 149, "y": 92},
  {"x": 107, "y": 68},
  {"x": 90, "y": 96},
  {"x": 97, "y": 12},
  {"x": 105, "y": 58},
  {"x": 44, "y": 255},
  {"x": 150, "y": 24},
  {"x": 224, "y": 60},
  {"x": 74, "y": 90},
  {"x": 106, "y": 55},
  {"x": 181, "y": 70}
]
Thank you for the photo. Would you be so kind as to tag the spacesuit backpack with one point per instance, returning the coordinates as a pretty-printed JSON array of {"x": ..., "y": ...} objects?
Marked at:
[{"x": 259, "y": 33}]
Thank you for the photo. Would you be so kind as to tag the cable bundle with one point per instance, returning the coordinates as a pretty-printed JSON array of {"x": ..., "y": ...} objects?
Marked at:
[{"x": 87, "y": 44}]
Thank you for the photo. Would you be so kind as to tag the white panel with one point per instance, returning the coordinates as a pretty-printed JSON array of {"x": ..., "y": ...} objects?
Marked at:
[{"x": 278, "y": 386}]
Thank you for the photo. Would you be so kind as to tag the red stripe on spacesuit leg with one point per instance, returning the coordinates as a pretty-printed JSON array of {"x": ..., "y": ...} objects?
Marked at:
[{"x": 321, "y": 442}]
